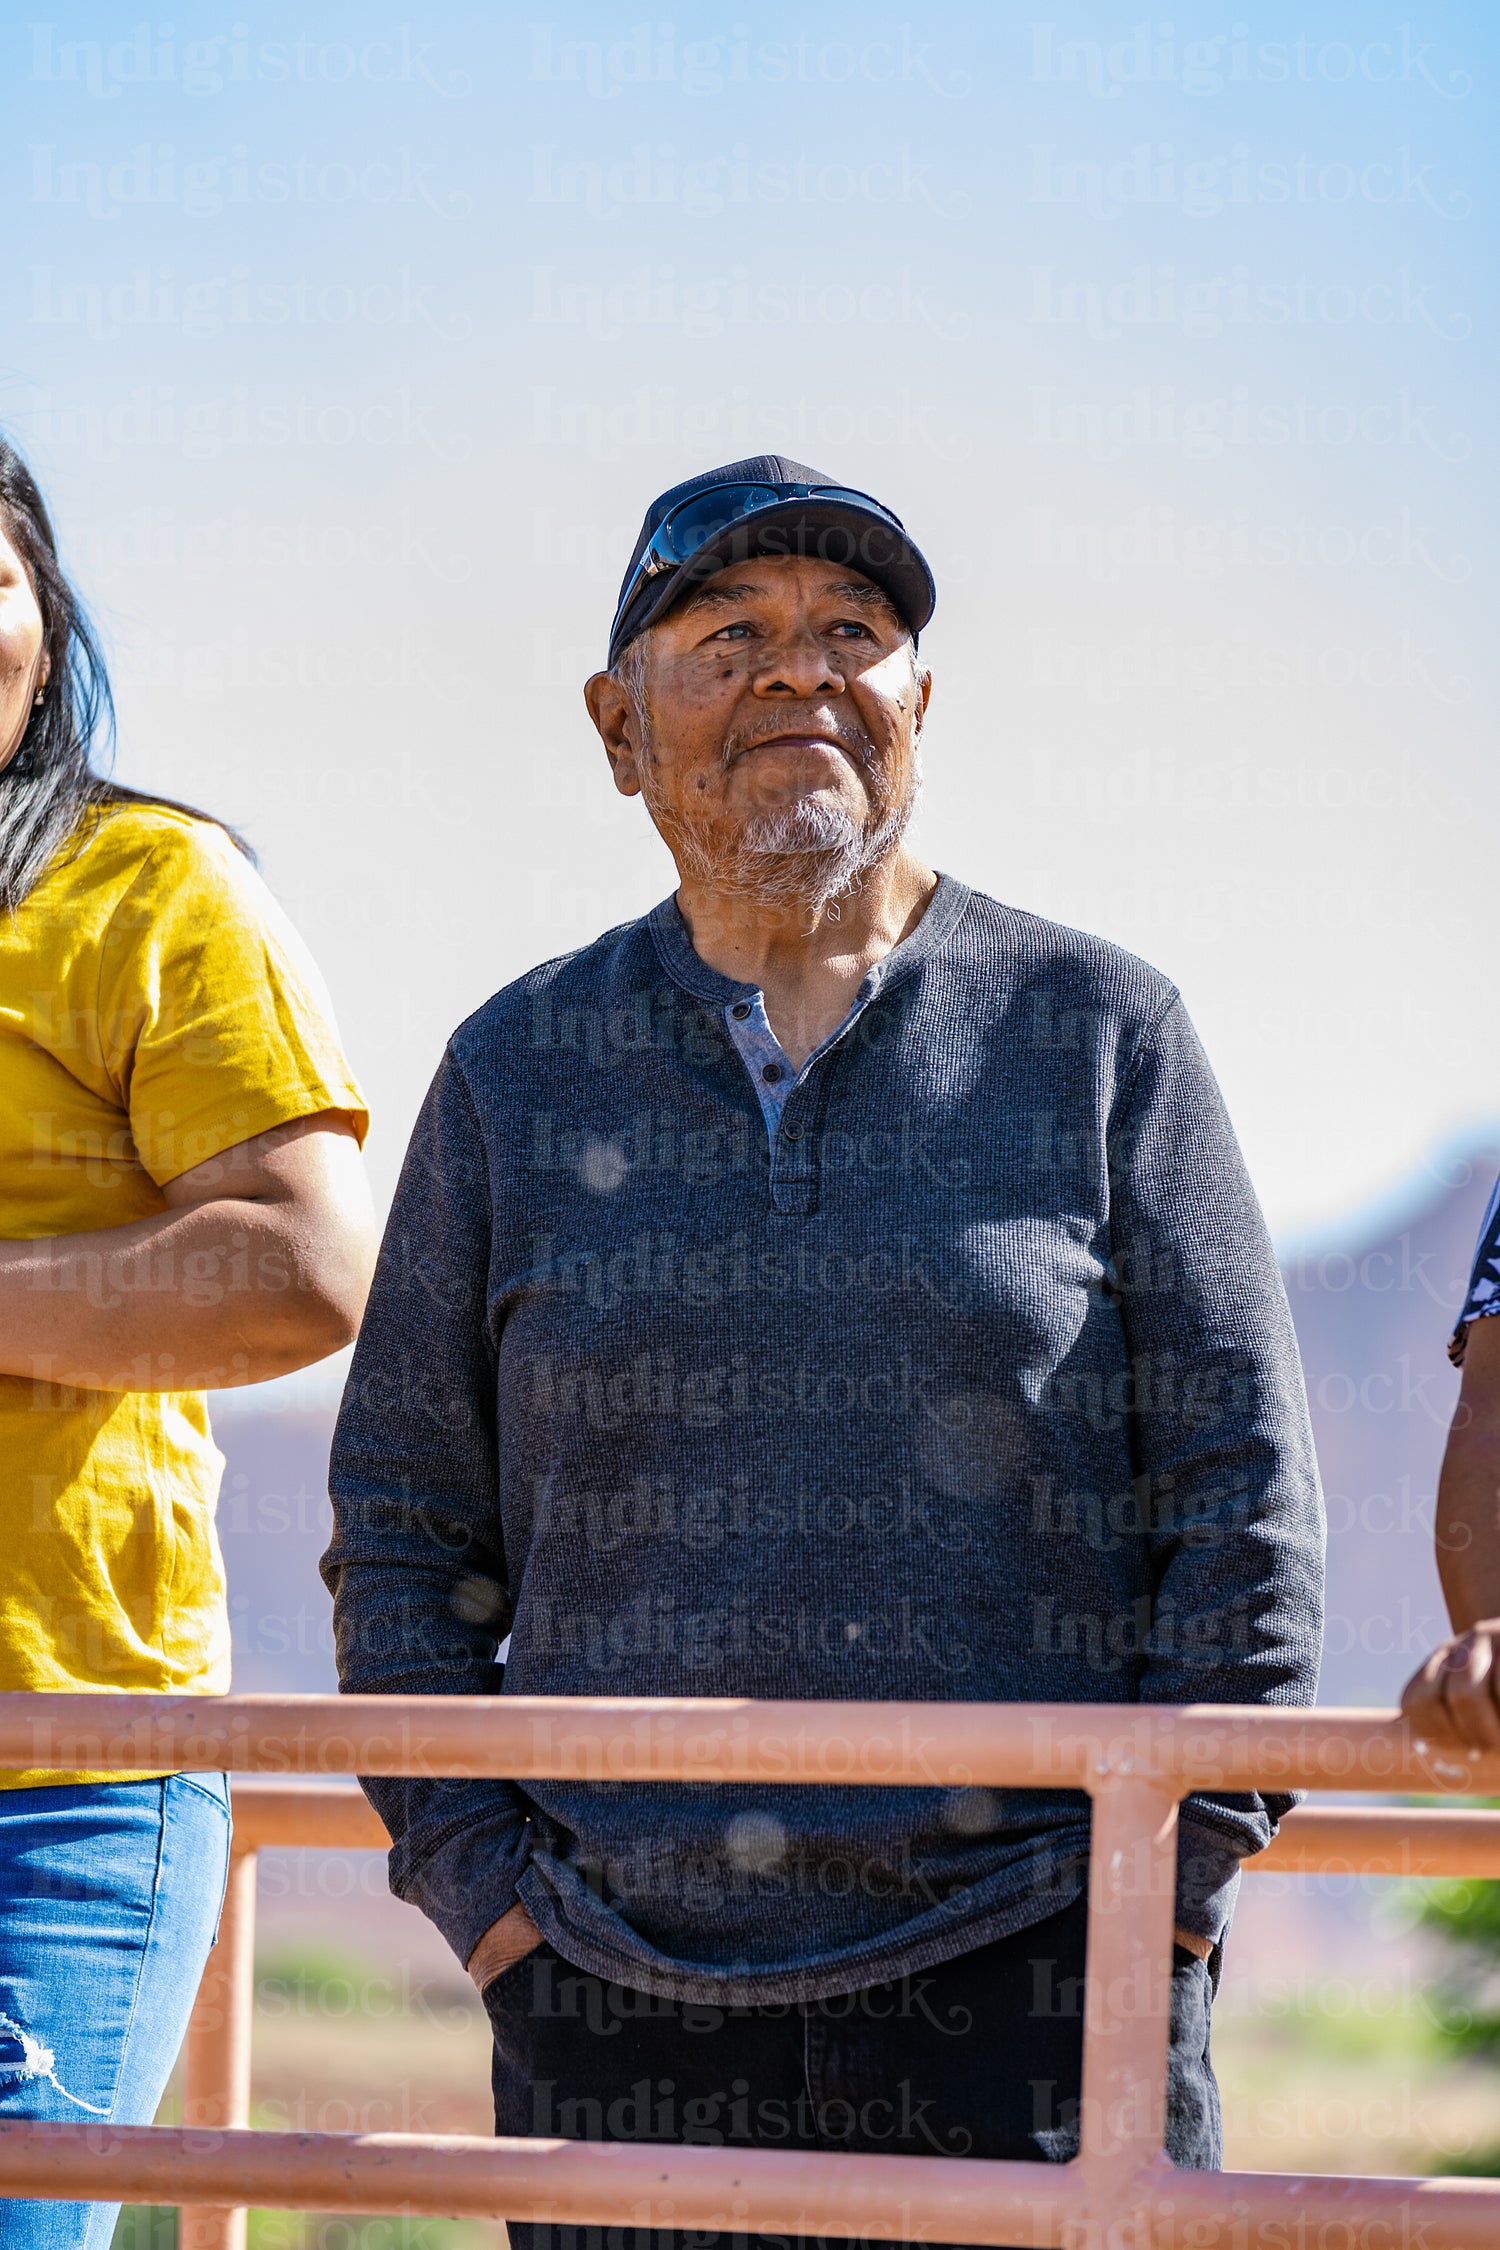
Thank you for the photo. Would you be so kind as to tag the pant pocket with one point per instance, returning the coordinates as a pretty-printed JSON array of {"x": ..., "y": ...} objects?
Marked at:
[
  {"x": 513, "y": 1984},
  {"x": 1195, "y": 2133},
  {"x": 215, "y": 1788}
]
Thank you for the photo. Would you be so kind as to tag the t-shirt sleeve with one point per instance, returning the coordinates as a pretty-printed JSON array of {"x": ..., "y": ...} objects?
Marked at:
[
  {"x": 214, "y": 1022},
  {"x": 1482, "y": 1298}
]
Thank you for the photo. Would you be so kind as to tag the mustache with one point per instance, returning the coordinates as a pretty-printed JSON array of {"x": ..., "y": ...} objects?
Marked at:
[{"x": 851, "y": 739}]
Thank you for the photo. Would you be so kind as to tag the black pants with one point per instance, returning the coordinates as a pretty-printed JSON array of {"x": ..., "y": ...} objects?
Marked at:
[{"x": 979, "y": 2057}]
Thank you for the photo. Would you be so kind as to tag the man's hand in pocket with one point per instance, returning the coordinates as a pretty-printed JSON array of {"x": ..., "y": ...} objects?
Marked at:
[{"x": 504, "y": 1942}]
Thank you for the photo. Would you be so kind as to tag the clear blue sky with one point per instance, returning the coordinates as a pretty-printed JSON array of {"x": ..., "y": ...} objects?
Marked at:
[{"x": 351, "y": 343}]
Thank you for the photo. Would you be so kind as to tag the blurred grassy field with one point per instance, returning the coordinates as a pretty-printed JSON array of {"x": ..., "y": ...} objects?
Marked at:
[
  {"x": 1327, "y": 2036},
  {"x": 1312, "y": 2086}
]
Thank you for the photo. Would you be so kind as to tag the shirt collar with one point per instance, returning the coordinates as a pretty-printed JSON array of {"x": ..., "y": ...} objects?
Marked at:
[{"x": 945, "y": 910}]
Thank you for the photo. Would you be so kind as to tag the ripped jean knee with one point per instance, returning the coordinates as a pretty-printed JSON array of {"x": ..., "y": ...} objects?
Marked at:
[{"x": 25, "y": 2058}]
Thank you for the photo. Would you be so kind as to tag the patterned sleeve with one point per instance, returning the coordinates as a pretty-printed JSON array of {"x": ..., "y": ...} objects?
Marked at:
[{"x": 1484, "y": 1282}]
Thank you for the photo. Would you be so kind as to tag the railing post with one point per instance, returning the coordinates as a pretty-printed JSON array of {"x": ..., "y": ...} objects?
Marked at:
[
  {"x": 216, "y": 2063},
  {"x": 1127, "y": 2001}
]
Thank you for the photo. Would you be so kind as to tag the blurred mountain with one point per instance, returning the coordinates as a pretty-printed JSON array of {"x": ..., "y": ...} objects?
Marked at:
[
  {"x": 1373, "y": 1301},
  {"x": 1374, "y": 1305},
  {"x": 274, "y": 1522}
]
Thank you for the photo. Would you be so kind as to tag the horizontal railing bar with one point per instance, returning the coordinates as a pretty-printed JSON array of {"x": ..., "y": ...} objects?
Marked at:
[
  {"x": 959, "y": 2199},
  {"x": 565, "y": 2182},
  {"x": 333, "y": 1816},
  {"x": 1312, "y": 2211},
  {"x": 1381, "y": 1840},
  {"x": 1315, "y": 1839},
  {"x": 587, "y": 1738}
]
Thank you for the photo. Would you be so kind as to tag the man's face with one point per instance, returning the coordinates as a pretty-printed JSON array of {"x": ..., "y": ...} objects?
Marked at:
[{"x": 774, "y": 727}]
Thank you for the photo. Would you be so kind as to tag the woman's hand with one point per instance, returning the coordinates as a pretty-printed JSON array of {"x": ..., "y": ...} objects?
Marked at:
[
  {"x": 260, "y": 1264},
  {"x": 1455, "y": 1691}
]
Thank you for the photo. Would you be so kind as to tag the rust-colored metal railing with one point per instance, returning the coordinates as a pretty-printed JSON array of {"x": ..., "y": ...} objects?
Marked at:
[{"x": 1135, "y": 1763}]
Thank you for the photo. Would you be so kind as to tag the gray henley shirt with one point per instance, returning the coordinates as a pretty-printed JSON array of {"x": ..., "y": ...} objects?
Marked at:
[{"x": 955, "y": 1366}]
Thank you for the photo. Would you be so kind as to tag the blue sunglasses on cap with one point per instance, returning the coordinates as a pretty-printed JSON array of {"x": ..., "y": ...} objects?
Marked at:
[{"x": 692, "y": 524}]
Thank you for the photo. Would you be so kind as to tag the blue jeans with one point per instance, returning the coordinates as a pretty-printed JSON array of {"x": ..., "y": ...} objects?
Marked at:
[{"x": 109, "y": 1899}]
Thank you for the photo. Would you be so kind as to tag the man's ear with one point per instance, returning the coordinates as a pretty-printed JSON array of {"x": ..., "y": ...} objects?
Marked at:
[
  {"x": 923, "y": 679},
  {"x": 613, "y": 715}
]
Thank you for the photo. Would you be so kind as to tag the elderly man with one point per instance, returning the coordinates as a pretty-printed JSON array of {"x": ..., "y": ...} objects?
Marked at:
[{"x": 833, "y": 1284}]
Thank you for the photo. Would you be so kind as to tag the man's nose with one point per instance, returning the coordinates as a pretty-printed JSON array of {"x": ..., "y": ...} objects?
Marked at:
[{"x": 800, "y": 666}]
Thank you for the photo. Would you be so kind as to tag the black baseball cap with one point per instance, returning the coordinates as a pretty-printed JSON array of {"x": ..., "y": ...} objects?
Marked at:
[{"x": 766, "y": 505}]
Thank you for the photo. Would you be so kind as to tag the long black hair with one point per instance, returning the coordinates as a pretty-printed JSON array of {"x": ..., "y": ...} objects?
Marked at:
[{"x": 52, "y": 788}]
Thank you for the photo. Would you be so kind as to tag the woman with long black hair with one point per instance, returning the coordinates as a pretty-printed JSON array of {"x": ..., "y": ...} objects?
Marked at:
[{"x": 182, "y": 1208}]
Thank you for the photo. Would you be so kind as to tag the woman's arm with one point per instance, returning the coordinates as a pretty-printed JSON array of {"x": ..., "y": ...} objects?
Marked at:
[
  {"x": 1468, "y": 1495},
  {"x": 260, "y": 1264},
  {"x": 1455, "y": 1690}
]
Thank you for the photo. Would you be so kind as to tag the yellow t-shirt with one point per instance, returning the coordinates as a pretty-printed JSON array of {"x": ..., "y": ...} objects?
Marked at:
[{"x": 156, "y": 1008}]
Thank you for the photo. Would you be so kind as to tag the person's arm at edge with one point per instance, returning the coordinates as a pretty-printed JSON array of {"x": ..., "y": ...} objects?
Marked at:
[{"x": 1454, "y": 1692}]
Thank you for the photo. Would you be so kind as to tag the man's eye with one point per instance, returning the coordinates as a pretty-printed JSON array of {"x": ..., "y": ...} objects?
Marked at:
[
  {"x": 851, "y": 625},
  {"x": 731, "y": 633}
]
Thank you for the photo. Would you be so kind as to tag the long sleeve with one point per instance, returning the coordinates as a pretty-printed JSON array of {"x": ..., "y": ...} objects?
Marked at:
[
  {"x": 416, "y": 1564},
  {"x": 1223, "y": 1450}
]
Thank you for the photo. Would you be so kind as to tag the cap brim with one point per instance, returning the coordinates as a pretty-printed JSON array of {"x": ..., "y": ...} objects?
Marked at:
[{"x": 827, "y": 530}]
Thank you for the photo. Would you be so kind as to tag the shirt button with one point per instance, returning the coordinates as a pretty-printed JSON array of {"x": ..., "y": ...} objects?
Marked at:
[
  {"x": 772, "y": 1074},
  {"x": 740, "y": 1010}
]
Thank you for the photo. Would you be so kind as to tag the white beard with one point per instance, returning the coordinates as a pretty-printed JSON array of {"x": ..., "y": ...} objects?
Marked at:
[{"x": 810, "y": 853}]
